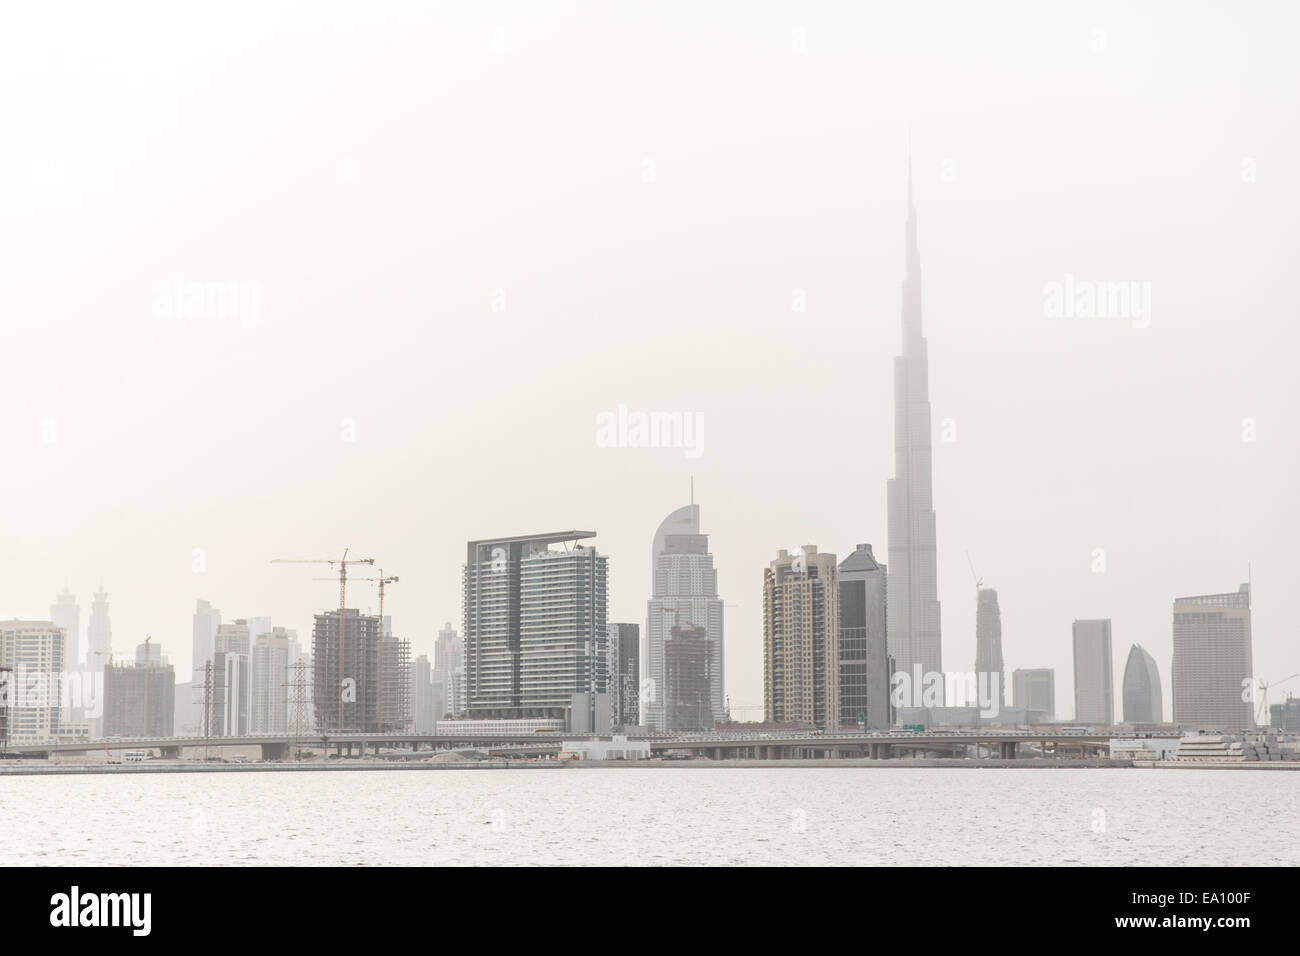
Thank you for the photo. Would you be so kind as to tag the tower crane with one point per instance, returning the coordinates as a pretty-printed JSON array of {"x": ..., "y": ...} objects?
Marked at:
[
  {"x": 342, "y": 564},
  {"x": 1263, "y": 699}
]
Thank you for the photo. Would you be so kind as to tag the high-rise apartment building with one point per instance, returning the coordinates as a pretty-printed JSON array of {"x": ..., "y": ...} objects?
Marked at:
[
  {"x": 345, "y": 663},
  {"x": 914, "y": 634},
  {"x": 625, "y": 674},
  {"x": 1213, "y": 670},
  {"x": 1142, "y": 699},
  {"x": 269, "y": 676},
  {"x": 1094, "y": 685},
  {"x": 534, "y": 622},
  {"x": 863, "y": 643},
  {"x": 683, "y": 591},
  {"x": 686, "y": 693},
  {"x": 422, "y": 712},
  {"x": 801, "y": 639},
  {"x": 33, "y": 653},
  {"x": 228, "y": 716}
]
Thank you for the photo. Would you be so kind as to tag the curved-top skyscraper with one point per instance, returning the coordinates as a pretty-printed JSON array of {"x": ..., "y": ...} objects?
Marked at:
[
  {"x": 1142, "y": 701},
  {"x": 913, "y": 596},
  {"x": 684, "y": 594}
]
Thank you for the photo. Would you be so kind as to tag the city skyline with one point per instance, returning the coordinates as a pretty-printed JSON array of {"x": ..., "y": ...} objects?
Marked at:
[{"x": 756, "y": 327}]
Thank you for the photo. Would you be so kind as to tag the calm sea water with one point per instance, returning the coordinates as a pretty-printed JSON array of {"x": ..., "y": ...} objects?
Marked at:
[{"x": 666, "y": 816}]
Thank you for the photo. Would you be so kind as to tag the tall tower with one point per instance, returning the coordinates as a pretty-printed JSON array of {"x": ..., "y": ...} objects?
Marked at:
[
  {"x": 913, "y": 575},
  {"x": 99, "y": 633},
  {"x": 1212, "y": 661},
  {"x": 65, "y": 612},
  {"x": 684, "y": 592},
  {"x": 988, "y": 641}
]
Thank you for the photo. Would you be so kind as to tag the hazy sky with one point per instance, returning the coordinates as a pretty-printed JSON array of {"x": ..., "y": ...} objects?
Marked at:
[{"x": 474, "y": 229}]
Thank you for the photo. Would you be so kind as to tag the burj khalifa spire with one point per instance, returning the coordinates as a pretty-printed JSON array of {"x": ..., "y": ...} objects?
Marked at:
[{"x": 913, "y": 590}]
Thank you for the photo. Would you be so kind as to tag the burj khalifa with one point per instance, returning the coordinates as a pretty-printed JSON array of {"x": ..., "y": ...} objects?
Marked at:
[{"x": 913, "y": 592}]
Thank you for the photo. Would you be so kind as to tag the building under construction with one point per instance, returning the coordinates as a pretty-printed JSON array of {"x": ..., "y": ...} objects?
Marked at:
[{"x": 347, "y": 679}]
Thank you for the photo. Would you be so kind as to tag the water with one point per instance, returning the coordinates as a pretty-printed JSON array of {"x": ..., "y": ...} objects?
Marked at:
[{"x": 639, "y": 816}]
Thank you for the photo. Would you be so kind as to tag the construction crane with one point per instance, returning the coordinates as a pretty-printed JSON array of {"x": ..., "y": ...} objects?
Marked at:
[
  {"x": 1263, "y": 699},
  {"x": 979, "y": 581},
  {"x": 381, "y": 581},
  {"x": 342, "y": 564}
]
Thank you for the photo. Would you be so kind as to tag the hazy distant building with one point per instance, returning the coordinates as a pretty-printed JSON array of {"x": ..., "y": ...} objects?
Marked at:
[
  {"x": 914, "y": 636},
  {"x": 422, "y": 711},
  {"x": 1212, "y": 661},
  {"x": 33, "y": 651},
  {"x": 257, "y": 626},
  {"x": 394, "y": 712},
  {"x": 1285, "y": 717},
  {"x": 988, "y": 640},
  {"x": 99, "y": 633},
  {"x": 686, "y": 691},
  {"x": 801, "y": 639},
  {"x": 345, "y": 663},
  {"x": 448, "y": 674},
  {"x": 1142, "y": 700},
  {"x": 233, "y": 637},
  {"x": 65, "y": 612},
  {"x": 683, "y": 590},
  {"x": 1094, "y": 686},
  {"x": 269, "y": 674},
  {"x": 534, "y": 625},
  {"x": 1034, "y": 688},
  {"x": 140, "y": 698},
  {"x": 625, "y": 674},
  {"x": 863, "y": 641},
  {"x": 205, "y": 622}
]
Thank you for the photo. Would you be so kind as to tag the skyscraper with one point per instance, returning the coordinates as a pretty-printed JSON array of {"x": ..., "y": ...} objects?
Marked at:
[
  {"x": 683, "y": 591},
  {"x": 1212, "y": 661},
  {"x": 99, "y": 633},
  {"x": 801, "y": 639},
  {"x": 625, "y": 673},
  {"x": 1094, "y": 685},
  {"x": 864, "y": 656},
  {"x": 1034, "y": 688},
  {"x": 913, "y": 587},
  {"x": 205, "y": 622},
  {"x": 448, "y": 673},
  {"x": 422, "y": 713},
  {"x": 65, "y": 612},
  {"x": 140, "y": 698},
  {"x": 1142, "y": 701},
  {"x": 534, "y": 624},
  {"x": 988, "y": 640},
  {"x": 686, "y": 688},
  {"x": 269, "y": 676},
  {"x": 33, "y": 650}
]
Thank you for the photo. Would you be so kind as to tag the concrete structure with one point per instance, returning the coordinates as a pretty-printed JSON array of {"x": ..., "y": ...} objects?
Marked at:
[
  {"x": 394, "y": 714},
  {"x": 683, "y": 591},
  {"x": 863, "y": 642},
  {"x": 32, "y": 651},
  {"x": 534, "y": 624},
  {"x": 624, "y": 648},
  {"x": 345, "y": 671},
  {"x": 1285, "y": 717},
  {"x": 1142, "y": 699},
  {"x": 801, "y": 639},
  {"x": 1231, "y": 748},
  {"x": 1144, "y": 748},
  {"x": 140, "y": 698},
  {"x": 269, "y": 693},
  {"x": 988, "y": 640},
  {"x": 1212, "y": 661},
  {"x": 1034, "y": 688},
  {"x": 65, "y": 612},
  {"x": 606, "y": 748},
  {"x": 914, "y": 630},
  {"x": 1094, "y": 684}
]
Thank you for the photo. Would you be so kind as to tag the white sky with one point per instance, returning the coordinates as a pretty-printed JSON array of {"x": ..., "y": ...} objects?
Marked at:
[{"x": 648, "y": 185}]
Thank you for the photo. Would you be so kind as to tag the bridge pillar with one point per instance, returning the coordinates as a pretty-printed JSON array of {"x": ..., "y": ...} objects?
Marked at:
[
  {"x": 170, "y": 752},
  {"x": 274, "y": 751}
]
